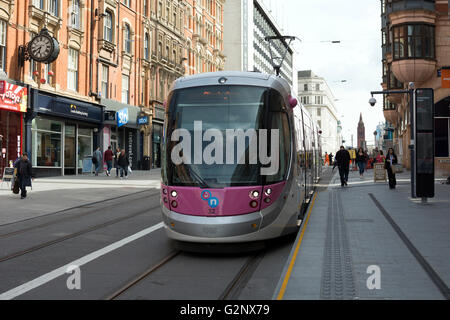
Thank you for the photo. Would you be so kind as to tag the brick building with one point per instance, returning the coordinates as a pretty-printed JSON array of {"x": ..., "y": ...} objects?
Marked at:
[
  {"x": 416, "y": 48},
  {"x": 116, "y": 58}
]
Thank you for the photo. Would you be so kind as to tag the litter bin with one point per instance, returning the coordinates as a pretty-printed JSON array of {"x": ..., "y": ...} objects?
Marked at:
[{"x": 146, "y": 164}]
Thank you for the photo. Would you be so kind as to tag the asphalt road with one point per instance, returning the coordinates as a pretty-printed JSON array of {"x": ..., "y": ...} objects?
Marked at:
[{"x": 35, "y": 255}]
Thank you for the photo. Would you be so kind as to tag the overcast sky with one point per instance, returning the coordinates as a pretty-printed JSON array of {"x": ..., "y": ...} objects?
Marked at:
[{"x": 357, "y": 59}]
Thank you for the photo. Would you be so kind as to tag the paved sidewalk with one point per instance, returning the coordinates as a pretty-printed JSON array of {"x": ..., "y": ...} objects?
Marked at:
[
  {"x": 58, "y": 193},
  {"x": 347, "y": 236}
]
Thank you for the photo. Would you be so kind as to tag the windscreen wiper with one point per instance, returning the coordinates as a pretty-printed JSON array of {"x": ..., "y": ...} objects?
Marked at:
[{"x": 198, "y": 178}]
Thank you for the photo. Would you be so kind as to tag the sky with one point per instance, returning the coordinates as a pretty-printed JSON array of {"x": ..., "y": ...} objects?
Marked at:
[{"x": 357, "y": 59}]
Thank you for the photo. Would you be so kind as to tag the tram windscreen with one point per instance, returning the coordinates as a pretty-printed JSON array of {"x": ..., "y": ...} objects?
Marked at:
[{"x": 210, "y": 130}]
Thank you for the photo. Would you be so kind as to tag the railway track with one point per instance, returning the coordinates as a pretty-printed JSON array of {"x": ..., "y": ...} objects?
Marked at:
[{"x": 65, "y": 219}]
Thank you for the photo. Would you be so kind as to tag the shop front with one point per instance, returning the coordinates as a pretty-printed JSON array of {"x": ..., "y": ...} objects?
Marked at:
[
  {"x": 64, "y": 134},
  {"x": 13, "y": 105},
  {"x": 121, "y": 130}
]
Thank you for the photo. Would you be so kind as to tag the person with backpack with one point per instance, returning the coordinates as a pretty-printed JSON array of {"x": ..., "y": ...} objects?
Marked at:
[
  {"x": 24, "y": 174},
  {"x": 97, "y": 160}
]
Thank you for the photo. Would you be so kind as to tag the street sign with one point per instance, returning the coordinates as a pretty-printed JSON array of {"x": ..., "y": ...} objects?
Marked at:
[{"x": 424, "y": 151}]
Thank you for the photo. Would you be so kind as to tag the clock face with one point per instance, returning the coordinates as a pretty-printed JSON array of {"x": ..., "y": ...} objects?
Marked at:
[{"x": 41, "y": 48}]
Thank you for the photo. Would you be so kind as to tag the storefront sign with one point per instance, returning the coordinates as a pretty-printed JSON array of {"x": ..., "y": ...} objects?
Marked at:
[
  {"x": 68, "y": 108},
  {"x": 379, "y": 172},
  {"x": 13, "y": 97},
  {"x": 122, "y": 117},
  {"x": 445, "y": 78},
  {"x": 143, "y": 120}
]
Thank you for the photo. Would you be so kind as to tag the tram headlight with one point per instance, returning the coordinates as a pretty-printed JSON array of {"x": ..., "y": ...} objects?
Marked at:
[
  {"x": 174, "y": 194},
  {"x": 165, "y": 191},
  {"x": 268, "y": 192},
  {"x": 254, "y": 204},
  {"x": 254, "y": 194},
  {"x": 174, "y": 204},
  {"x": 267, "y": 200}
]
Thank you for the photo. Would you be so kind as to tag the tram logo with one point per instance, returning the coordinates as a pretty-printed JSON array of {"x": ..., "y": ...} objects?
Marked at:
[
  {"x": 213, "y": 202},
  {"x": 247, "y": 152}
]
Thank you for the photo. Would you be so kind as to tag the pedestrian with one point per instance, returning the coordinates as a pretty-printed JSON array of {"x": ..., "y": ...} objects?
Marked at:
[
  {"x": 327, "y": 159},
  {"x": 24, "y": 174},
  {"x": 109, "y": 159},
  {"x": 330, "y": 158},
  {"x": 343, "y": 162},
  {"x": 361, "y": 161},
  {"x": 123, "y": 164},
  {"x": 389, "y": 165},
  {"x": 97, "y": 160},
  {"x": 116, "y": 161},
  {"x": 380, "y": 157}
]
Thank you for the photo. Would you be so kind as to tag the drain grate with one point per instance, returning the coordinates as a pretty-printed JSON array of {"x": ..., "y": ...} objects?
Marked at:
[{"x": 337, "y": 272}]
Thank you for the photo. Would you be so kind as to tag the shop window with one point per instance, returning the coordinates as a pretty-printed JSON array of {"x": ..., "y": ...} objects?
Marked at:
[
  {"x": 442, "y": 141},
  {"x": 84, "y": 144},
  {"x": 46, "y": 142}
]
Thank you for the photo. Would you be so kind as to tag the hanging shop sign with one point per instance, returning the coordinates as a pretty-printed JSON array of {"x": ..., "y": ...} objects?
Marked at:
[
  {"x": 122, "y": 117},
  {"x": 143, "y": 120},
  {"x": 13, "y": 97}
]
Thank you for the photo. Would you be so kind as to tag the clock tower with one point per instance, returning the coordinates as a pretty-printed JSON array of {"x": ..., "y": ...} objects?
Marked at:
[{"x": 361, "y": 133}]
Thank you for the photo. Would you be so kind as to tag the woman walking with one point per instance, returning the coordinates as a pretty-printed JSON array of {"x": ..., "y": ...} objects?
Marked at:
[
  {"x": 391, "y": 161},
  {"x": 116, "y": 161},
  {"x": 380, "y": 157},
  {"x": 361, "y": 161}
]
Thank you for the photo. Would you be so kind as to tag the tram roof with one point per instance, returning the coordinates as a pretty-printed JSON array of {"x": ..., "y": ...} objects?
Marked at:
[{"x": 232, "y": 78}]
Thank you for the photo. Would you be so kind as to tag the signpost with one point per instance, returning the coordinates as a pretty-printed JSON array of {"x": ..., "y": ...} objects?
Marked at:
[
  {"x": 379, "y": 173},
  {"x": 424, "y": 151}
]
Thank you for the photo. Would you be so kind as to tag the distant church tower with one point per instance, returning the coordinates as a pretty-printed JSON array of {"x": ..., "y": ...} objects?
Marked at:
[{"x": 361, "y": 133}]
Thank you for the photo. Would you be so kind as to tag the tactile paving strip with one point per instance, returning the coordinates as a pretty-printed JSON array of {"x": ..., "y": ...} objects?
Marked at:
[{"x": 337, "y": 272}]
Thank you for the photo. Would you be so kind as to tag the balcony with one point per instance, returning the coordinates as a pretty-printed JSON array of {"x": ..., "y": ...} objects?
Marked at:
[{"x": 413, "y": 70}]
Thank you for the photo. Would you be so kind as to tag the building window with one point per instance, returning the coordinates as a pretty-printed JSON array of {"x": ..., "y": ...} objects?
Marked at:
[
  {"x": 48, "y": 71},
  {"x": 53, "y": 7},
  {"x": 125, "y": 89},
  {"x": 319, "y": 112},
  {"x": 3, "y": 29},
  {"x": 39, "y": 4},
  {"x": 414, "y": 41},
  {"x": 75, "y": 14},
  {"x": 104, "y": 81},
  {"x": 317, "y": 87},
  {"x": 305, "y": 87},
  {"x": 72, "y": 70},
  {"x": 127, "y": 39},
  {"x": 146, "y": 46},
  {"x": 107, "y": 27},
  {"x": 146, "y": 8},
  {"x": 46, "y": 142},
  {"x": 127, "y": 3}
]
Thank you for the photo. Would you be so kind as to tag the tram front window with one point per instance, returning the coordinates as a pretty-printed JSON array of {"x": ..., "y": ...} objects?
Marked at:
[{"x": 218, "y": 128}]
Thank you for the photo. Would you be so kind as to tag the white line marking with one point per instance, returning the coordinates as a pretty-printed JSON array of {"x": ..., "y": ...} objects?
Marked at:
[{"x": 11, "y": 294}]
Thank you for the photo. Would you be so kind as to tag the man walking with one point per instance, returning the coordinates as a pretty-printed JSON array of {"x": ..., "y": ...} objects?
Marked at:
[
  {"x": 343, "y": 162},
  {"x": 109, "y": 159},
  {"x": 123, "y": 164},
  {"x": 24, "y": 173},
  {"x": 97, "y": 160}
]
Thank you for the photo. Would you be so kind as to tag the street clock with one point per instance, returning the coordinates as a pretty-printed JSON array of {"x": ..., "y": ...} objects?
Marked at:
[{"x": 43, "y": 47}]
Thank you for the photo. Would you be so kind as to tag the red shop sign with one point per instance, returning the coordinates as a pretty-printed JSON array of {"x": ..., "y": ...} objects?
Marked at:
[{"x": 13, "y": 97}]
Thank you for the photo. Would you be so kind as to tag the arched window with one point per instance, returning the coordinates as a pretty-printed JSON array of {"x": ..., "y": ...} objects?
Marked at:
[
  {"x": 146, "y": 46},
  {"x": 127, "y": 39},
  {"x": 107, "y": 27}
]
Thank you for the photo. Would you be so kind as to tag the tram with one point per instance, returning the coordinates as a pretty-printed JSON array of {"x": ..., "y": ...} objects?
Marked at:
[{"x": 240, "y": 158}]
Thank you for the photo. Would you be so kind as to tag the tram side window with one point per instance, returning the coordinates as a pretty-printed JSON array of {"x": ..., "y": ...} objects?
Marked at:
[{"x": 279, "y": 121}]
